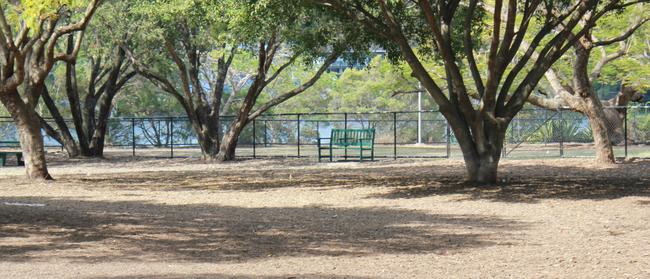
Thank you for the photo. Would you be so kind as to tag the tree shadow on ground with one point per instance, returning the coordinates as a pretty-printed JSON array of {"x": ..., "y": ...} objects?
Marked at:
[
  {"x": 643, "y": 203},
  {"x": 61, "y": 160},
  {"x": 560, "y": 182},
  {"x": 225, "y": 276},
  {"x": 142, "y": 231},
  {"x": 523, "y": 184},
  {"x": 529, "y": 190}
]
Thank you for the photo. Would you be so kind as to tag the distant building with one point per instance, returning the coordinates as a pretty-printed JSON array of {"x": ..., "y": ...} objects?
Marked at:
[{"x": 340, "y": 65}]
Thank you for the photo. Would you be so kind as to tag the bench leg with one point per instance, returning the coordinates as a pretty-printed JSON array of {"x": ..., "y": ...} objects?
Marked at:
[
  {"x": 3, "y": 157},
  {"x": 19, "y": 159},
  {"x": 361, "y": 154},
  {"x": 319, "y": 152}
]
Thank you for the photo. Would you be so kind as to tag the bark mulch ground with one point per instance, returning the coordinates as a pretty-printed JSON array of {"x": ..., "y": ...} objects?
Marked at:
[{"x": 294, "y": 218}]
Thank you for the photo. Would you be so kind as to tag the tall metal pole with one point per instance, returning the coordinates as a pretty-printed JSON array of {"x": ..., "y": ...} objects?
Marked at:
[
  {"x": 625, "y": 132},
  {"x": 298, "y": 135},
  {"x": 254, "y": 140},
  {"x": 394, "y": 135},
  {"x": 419, "y": 113},
  {"x": 133, "y": 135},
  {"x": 345, "y": 126},
  {"x": 561, "y": 134},
  {"x": 171, "y": 136}
]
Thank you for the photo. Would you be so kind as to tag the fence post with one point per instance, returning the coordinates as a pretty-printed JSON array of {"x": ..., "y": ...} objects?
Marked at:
[
  {"x": 171, "y": 136},
  {"x": 419, "y": 140},
  {"x": 298, "y": 143},
  {"x": 254, "y": 140},
  {"x": 133, "y": 136},
  {"x": 394, "y": 135},
  {"x": 345, "y": 126},
  {"x": 625, "y": 132},
  {"x": 561, "y": 133}
]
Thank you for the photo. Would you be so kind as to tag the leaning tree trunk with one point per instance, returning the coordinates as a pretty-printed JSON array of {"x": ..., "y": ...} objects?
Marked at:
[
  {"x": 593, "y": 106},
  {"x": 229, "y": 142},
  {"x": 97, "y": 142},
  {"x": 31, "y": 140},
  {"x": 63, "y": 136},
  {"x": 65, "y": 139},
  {"x": 600, "y": 130},
  {"x": 96, "y": 147}
]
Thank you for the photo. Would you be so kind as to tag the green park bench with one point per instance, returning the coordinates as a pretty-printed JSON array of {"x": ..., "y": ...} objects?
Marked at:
[
  {"x": 5, "y": 154},
  {"x": 348, "y": 139}
]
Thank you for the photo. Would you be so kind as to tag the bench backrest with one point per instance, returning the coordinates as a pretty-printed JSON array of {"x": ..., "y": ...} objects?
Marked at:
[
  {"x": 353, "y": 137},
  {"x": 9, "y": 145}
]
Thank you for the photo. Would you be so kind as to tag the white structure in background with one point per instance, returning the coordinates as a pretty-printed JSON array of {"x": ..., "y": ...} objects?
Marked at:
[{"x": 419, "y": 113}]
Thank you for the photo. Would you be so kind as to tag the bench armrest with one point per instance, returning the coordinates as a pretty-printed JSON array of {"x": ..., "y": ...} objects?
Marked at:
[{"x": 319, "y": 141}]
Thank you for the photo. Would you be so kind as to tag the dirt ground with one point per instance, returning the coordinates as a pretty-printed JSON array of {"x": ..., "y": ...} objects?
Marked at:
[{"x": 294, "y": 218}]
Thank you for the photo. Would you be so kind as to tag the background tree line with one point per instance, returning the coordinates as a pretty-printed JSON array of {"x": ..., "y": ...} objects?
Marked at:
[{"x": 480, "y": 63}]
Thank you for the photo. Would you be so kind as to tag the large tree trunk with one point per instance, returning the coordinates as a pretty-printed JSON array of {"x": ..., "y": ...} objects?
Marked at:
[
  {"x": 96, "y": 148},
  {"x": 483, "y": 170},
  {"x": 481, "y": 146},
  {"x": 600, "y": 130},
  {"x": 207, "y": 128},
  {"x": 31, "y": 140},
  {"x": 100, "y": 126},
  {"x": 482, "y": 156},
  {"x": 229, "y": 142},
  {"x": 207, "y": 136},
  {"x": 593, "y": 108},
  {"x": 209, "y": 148}
]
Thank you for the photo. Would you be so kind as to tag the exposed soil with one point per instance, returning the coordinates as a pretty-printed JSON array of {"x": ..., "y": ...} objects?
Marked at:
[{"x": 294, "y": 218}]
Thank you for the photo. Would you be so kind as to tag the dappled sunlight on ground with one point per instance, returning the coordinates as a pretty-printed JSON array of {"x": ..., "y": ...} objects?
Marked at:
[{"x": 295, "y": 218}]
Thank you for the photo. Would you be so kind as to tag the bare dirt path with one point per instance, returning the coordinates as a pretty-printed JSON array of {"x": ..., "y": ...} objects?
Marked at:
[{"x": 159, "y": 218}]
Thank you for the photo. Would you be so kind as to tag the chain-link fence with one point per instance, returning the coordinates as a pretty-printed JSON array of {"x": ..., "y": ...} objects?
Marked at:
[
  {"x": 535, "y": 133},
  {"x": 542, "y": 133}
]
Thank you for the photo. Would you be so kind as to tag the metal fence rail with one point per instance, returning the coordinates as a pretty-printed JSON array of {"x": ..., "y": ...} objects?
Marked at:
[{"x": 534, "y": 133}]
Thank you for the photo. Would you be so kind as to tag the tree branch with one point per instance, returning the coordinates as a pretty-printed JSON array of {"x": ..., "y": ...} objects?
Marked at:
[
  {"x": 469, "y": 48},
  {"x": 623, "y": 36},
  {"x": 283, "y": 67},
  {"x": 283, "y": 97}
]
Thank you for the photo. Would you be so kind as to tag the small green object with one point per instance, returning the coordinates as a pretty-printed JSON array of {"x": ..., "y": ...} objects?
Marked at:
[
  {"x": 5, "y": 154},
  {"x": 355, "y": 139}
]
